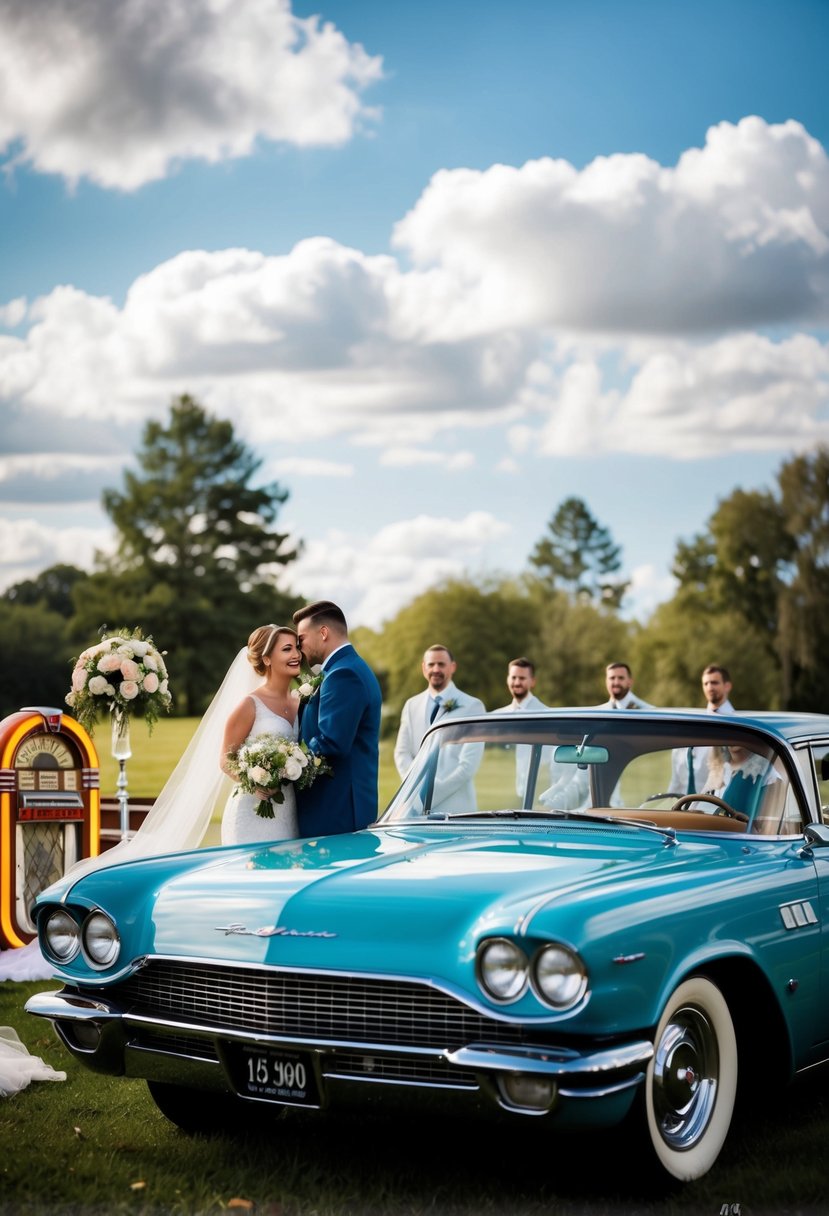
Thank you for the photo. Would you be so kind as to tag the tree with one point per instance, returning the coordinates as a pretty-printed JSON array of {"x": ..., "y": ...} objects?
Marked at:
[
  {"x": 35, "y": 657},
  {"x": 804, "y": 620},
  {"x": 763, "y": 562},
  {"x": 197, "y": 554},
  {"x": 574, "y": 643},
  {"x": 579, "y": 556},
  {"x": 483, "y": 626},
  {"x": 683, "y": 636},
  {"x": 51, "y": 589},
  {"x": 741, "y": 561}
]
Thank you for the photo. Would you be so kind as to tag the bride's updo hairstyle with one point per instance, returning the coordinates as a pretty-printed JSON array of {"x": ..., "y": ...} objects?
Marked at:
[{"x": 261, "y": 642}]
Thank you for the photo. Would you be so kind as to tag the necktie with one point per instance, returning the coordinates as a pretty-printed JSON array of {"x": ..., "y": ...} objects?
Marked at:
[
  {"x": 435, "y": 708},
  {"x": 692, "y": 787}
]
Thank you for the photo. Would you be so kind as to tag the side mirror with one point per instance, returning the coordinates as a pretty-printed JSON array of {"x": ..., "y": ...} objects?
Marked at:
[{"x": 817, "y": 835}]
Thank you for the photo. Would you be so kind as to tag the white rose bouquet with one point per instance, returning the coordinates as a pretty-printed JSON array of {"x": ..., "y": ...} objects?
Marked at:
[
  {"x": 123, "y": 674},
  {"x": 267, "y": 762}
]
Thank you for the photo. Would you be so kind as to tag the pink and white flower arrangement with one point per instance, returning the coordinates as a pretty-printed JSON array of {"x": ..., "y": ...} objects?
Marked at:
[{"x": 123, "y": 674}]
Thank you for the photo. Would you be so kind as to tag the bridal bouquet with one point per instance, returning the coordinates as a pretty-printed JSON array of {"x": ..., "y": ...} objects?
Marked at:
[
  {"x": 124, "y": 674},
  {"x": 270, "y": 760}
]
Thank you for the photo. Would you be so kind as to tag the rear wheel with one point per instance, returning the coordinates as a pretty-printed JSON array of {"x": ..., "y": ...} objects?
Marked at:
[{"x": 691, "y": 1082}]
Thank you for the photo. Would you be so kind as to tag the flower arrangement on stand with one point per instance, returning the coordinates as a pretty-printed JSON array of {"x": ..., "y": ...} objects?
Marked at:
[{"x": 123, "y": 676}]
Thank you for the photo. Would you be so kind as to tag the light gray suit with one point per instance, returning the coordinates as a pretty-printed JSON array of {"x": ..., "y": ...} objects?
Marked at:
[{"x": 414, "y": 723}]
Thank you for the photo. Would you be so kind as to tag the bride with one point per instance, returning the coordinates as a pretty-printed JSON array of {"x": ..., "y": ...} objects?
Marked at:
[
  {"x": 181, "y": 814},
  {"x": 273, "y": 653}
]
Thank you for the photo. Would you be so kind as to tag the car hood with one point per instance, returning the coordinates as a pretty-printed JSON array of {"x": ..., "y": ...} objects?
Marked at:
[{"x": 388, "y": 900}]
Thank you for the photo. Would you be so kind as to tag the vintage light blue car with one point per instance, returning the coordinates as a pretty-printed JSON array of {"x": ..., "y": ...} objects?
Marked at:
[{"x": 552, "y": 919}]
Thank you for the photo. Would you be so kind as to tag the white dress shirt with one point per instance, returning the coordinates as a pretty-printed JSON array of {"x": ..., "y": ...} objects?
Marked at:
[{"x": 628, "y": 701}]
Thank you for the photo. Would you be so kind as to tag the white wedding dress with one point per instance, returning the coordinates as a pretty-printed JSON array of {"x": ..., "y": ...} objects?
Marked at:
[
  {"x": 240, "y": 822},
  {"x": 18, "y": 1068}
]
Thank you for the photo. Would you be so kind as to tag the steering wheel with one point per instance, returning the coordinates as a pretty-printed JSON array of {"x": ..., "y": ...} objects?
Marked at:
[{"x": 723, "y": 808}]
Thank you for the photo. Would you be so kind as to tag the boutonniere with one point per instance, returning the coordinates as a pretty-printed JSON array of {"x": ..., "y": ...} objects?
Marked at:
[
  {"x": 307, "y": 686},
  {"x": 449, "y": 705}
]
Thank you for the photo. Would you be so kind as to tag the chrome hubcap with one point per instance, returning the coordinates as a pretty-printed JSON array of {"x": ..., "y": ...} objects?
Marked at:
[{"x": 685, "y": 1075}]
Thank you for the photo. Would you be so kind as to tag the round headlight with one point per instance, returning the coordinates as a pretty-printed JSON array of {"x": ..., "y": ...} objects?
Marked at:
[
  {"x": 502, "y": 969},
  {"x": 62, "y": 936},
  {"x": 559, "y": 976},
  {"x": 100, "y": 940}
]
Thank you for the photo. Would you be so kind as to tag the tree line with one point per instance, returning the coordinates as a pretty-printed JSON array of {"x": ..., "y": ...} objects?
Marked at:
[{"x": 199, "y": 561}]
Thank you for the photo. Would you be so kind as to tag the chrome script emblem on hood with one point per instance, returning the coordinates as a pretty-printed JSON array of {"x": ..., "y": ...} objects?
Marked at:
[{"x": 271, "y": 931}]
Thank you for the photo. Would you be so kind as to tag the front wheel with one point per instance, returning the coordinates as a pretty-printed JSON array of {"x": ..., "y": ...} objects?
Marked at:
[
  {"x": 691, "y": 1083},
  {"x": 199, "y": 1113}
]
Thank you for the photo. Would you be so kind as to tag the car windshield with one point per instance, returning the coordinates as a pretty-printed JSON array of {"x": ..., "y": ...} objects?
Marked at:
[{"x": 713, "y": 775}]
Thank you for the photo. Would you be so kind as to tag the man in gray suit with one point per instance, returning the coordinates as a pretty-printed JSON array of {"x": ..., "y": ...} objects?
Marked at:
[{"x": 441, "y": 699}]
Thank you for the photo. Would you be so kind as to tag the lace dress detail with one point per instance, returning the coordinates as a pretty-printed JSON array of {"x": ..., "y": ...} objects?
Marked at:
[{"x": 240, "y": 823}]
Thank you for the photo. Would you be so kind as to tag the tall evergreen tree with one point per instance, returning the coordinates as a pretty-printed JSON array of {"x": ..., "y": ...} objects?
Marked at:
[
  {"x": 197, "y": 553},
  {"x": 578, "y": 556}
]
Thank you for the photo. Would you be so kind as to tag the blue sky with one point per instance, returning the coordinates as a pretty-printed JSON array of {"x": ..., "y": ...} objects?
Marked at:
[{"x": 442, "y": 265}]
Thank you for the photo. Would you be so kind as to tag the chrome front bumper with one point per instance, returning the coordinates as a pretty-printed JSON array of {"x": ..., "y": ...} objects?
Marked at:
[{"x": 106, "y": 1039}]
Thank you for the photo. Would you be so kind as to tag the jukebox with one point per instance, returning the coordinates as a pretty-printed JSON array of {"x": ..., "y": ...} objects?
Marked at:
[{"x": 50, "y": 809}]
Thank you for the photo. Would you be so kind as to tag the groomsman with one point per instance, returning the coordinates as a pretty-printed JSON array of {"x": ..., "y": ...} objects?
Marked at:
[
  {"x": 619, "y": 683},
  {"x": 716, "y": 685},
  {"x": 521, "y": 682},
  {"x": 568, "y": 784},
  {"x": 440, "y": 699},
  {"x": 690, "y": 765}
]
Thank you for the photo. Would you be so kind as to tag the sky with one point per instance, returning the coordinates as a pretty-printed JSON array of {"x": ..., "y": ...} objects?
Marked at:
[{"x": 442, "y": 265}]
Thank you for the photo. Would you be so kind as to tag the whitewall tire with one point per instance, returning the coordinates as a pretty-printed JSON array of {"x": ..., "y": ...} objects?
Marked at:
[{"x": 691, "y": 1082}]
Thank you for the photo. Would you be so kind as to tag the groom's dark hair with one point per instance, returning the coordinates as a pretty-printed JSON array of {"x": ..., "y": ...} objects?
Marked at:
[{"x": 322, "y": 612}]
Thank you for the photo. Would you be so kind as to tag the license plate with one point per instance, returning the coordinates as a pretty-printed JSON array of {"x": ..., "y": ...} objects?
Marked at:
[{"x": 274, "y": 1075}]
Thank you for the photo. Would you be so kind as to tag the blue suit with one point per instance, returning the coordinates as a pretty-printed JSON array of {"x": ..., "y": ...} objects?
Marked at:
[{"x": 342, "y": 722}]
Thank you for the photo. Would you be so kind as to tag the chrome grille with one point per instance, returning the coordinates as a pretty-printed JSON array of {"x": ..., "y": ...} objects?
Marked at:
[
  {"x": 308, "y": 1006},
  {"x": 412, "y": 1070},
  {"x": 175, "y": 1044}
]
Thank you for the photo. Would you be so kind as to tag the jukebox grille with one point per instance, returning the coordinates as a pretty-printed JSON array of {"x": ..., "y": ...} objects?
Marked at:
[{"x": 43, "y": 857}]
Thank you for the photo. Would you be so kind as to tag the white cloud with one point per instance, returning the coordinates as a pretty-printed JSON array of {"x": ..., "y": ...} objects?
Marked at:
[
  {"x": 119, "y": 93},
  {"x": 282, "y": 344},
  {"x": 27, "y": 547},
  {"x": 309, "y": 466},
  {"x": 735, "y": 235},
  {"x": 648, "y": 589},
  {"x": 373, "y": 577},
  {"x": 742, "y": 393},
  {"x": 13, "y": 313},
  {"x": 502, "y": 333},
  {"x": 406, "y": 457},
  {"x": 55, "y": 477}
]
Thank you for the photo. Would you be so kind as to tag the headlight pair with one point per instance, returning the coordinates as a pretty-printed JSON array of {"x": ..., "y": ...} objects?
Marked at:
[
  {"x": 556, "y": 973},
  {"x": 64, "y": 937}
]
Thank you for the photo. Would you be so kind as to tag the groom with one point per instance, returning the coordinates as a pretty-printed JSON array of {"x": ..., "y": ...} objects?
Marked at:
[{"x": 341, "y": 721}]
